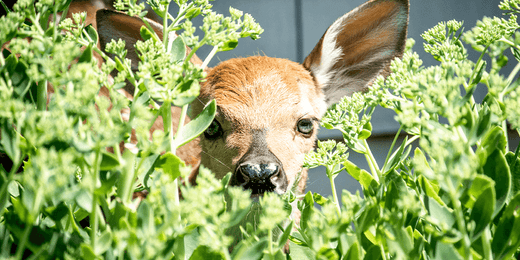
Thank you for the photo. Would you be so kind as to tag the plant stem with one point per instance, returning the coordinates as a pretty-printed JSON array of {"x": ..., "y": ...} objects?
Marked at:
[
  {"x": 165, "y": 26},
  {"x": 459, "y": 215},
  {"x": 25, "y": 237},
  {"x": 192, "y": 52},
  {"x": 181, "y": 14},
  {"x": 93, "y": 214},
  {"x": 209, "y": 57},
  {"x": 392, "y": 146},
  {"x": 41, "y": 98},
  {"x": 374, "y": 168},
  {"x": 330, "y": 171},
  {"x": 270, "y": 237}
]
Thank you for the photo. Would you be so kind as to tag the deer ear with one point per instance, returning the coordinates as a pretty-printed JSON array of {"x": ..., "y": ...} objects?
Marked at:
[
  {"x": 113, "y": 25},
  {"x": 358, "y": 47}
]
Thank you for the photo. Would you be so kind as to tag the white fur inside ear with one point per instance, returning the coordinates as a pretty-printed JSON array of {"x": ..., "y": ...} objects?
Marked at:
[{"x": 330, "y": 53}]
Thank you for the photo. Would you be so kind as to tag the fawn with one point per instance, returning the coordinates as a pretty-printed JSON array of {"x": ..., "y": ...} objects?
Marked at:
[{"x": 269, "y": 108}]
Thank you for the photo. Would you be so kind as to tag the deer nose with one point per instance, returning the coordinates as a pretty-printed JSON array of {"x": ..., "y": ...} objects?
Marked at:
[
  {"x": 259, "y": 173},
  {"x": 260, "y": 177}
]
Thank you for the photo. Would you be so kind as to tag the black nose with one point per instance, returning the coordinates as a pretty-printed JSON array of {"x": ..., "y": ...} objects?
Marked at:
[
  {"x": 258, "y": 173},
  {"x": 260, "y": 178},
  {"x": 259, "y": 170}
]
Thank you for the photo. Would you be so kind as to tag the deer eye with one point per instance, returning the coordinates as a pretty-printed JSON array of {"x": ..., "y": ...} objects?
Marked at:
[
  {"x": 305, "y": 126},
  {"x": 214, "y": 130}
]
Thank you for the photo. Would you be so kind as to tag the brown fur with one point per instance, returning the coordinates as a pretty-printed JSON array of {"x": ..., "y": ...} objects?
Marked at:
[{"x": 270, "y": 95}]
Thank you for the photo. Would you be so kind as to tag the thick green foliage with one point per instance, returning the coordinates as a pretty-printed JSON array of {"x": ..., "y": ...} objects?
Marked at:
[{"x": 457, "y": 196}]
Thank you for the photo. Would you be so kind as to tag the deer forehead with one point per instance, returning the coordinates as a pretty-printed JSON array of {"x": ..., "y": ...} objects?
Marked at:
[{"x": 263, "y": 92}]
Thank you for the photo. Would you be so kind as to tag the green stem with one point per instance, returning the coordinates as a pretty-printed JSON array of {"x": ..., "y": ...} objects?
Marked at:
[
  {"x": 330, "y": 174},
  {"x": 509, "y": 42},
  {"x": 511, "y": 77},
  {"x": 209, "y": 57},
  {"x": 192, "y": 52},
  {"x": 41, "y": 98},
  {"x": 180, "y": 15},
  {"x": 270, "y": 237},
  {"x": 165, "y": 26},
  {"x": 93, "y": 214},
  {"x": 459, "y": 216},
  {"x": 372, "y": 163},
  {"x": 180, "y": 127},
  {"x": 392, "y": 146},
  {"x": 25, "y": 237}
]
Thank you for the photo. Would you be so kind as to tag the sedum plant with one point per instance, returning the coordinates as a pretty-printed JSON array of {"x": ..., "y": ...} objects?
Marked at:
[
  {"x": 455, "y": 196},
  {"x": 64, "y": 196}
]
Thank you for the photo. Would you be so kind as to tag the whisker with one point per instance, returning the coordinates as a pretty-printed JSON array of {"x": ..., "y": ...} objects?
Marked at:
[{"x": 218, "y": 160}]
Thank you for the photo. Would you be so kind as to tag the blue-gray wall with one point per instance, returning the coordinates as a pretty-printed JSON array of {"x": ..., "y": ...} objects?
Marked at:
[{"x": 293, "y": 27}]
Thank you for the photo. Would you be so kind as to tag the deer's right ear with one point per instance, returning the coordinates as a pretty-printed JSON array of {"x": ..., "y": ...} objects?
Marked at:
[{"x": 358, "y": 47}]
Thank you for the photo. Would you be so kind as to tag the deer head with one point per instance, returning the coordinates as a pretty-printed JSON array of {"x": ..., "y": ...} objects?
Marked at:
[{"x": 269, "y": 108}]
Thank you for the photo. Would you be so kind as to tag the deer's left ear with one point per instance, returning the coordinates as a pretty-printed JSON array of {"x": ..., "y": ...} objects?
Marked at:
[{"x": 358, "y": 47}]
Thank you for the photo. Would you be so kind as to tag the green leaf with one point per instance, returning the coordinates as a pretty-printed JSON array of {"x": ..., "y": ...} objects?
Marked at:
[
  {"x": 484, "y": 120},
  {"x": 353, "y": 253},
  {"x": 373, "y": 253},
  {"x": 445, "y": 251},
  {"x": 170, "y": 164},
  {"x": 514, "y": 167},
  {"x": 146, "y": 169},
  {"x": 227, "y": 46},
  {"x": 125, "y": 184},
  {"x": 430, "y": 189},
  {"x": 482, "y": 211},
  {"x": 366, "y": 132},
  {"x": 20, "y": 210},
  {"x": 319, "y": 199},
  {"x": 479, "y": 74},
  {"x": 306, "y": 206},
  {"x": 285, "y": 235},
  {"x": 507, "y": 234},
  {"x": 56, "y": 213},
  {"x": 146, "y": 216},
  {"x": 420, "y": 157},
  {"x": 252, "y": 251},
  {"x": 439, "y": 214},
  {"x": 104, "y": 242},
  {"x": 10, "y": 141},
  {"x": 146, "y": 34},
  {"x": 197, "y": 126},
  {"x": 327, "y": 253},
  {"x": 397, "y": 157},
  {"x": 495, "y": 139},
  {"x": 402, "y": 243},
  {"x": 301, "y": 252},
  {"x": 360, "y": 175},
  {"x": 109, "y": 161},
  {"x": 193, "y": 12},
  {"x": 497, "y": 169},
  {"x": 87, "y": 252},
  {"x": 204, "y": 252},
  {"x": 84, "y": 200},
  {"x": 186, "y": 92},
  {"x": 86, "y": 56},
  {"x": 478, "y": 185},
  {"x": 178, "y": 49},
  {"x": 92, "y": 33}
]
